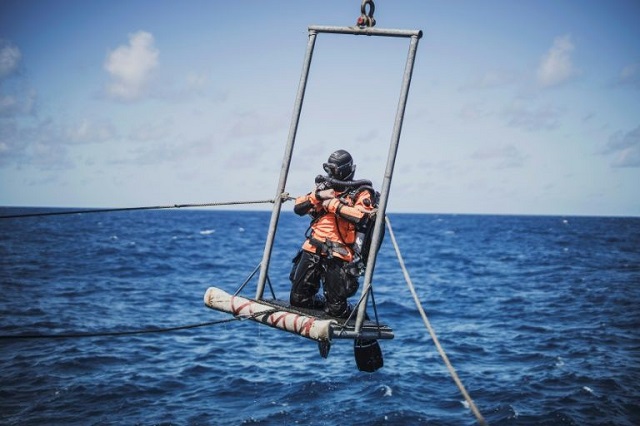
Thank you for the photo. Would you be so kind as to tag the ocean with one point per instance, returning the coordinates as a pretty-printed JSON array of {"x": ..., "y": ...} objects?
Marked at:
[{"x": 539, "y": 316}]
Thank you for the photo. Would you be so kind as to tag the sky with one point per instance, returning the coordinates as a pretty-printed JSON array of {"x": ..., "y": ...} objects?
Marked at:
[{"x": 516, "y": 107}]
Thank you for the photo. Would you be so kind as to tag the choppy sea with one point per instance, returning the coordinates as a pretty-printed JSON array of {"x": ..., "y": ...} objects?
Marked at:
[{"x": 539, "y": 316}]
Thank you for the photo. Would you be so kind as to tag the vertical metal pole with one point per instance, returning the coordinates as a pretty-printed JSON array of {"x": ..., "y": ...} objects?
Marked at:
[
  {"x": 286, "y": 162},
  {"x": 386, "y": 183}
]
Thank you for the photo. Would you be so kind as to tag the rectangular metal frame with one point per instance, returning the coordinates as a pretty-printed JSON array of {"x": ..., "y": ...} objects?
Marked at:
[{"x": 314, "y": 30}]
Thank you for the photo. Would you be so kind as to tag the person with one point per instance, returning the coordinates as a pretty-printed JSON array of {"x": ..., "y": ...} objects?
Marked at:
[{"x": 341, "y": 211}]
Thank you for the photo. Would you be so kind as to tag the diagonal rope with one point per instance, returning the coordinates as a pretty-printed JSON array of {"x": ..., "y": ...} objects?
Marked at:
[
  {"x": 112, "y": 333},
  {"x": 285, "y": 197},
  {"x": 133, "y": 332},
  {"x": 444, "y": 356}
]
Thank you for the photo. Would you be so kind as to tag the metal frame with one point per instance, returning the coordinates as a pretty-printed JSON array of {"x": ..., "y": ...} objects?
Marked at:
[{"x": 314, "y": 30}]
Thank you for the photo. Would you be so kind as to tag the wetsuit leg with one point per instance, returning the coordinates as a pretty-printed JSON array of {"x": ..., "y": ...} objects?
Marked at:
[
  {"x": 305, "y": 280},
  {"x": 339, "y": 285}
]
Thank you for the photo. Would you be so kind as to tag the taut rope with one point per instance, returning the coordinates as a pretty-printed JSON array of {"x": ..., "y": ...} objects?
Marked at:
[
  {"x": 285, "y": 197},
  {"x": 444, "y": 356}
]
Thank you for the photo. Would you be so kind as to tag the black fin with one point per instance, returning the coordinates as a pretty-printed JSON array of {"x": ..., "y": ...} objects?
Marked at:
[
  {"x": 368, "y": 355},
  {"x": 324, "y": 346}
]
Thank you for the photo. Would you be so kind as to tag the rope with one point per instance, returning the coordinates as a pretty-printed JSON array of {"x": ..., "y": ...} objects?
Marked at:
[
  {"x": 132, "y": 332},
  {"x": 285, "y": 197},
  {"x": 452, "y": 371},
  {"x": 114, "y": 333}
]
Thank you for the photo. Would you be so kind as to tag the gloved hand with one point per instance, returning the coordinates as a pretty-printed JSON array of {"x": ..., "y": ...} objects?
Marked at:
[
  {"x": 331, "y": 204},
  {"x": 325, "y": 194}
]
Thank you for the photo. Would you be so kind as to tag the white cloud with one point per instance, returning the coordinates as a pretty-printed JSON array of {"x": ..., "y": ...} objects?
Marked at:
[
  {"x": 556, "y": 66},
  {"x": 88, "y": 131},
  {"x": 10, "y": 57},
  {"x": 16, "y": 97},
  {"x": 625, "y": 148},
  {"x": 523, "y": 114},
  {"x": 21, "y": 101},
  {"x": 130, "y": 67},
  {"x": 48, "y": 144},
  {"x": 629, "y": 157},
  {"x": 40, "y": 145},
  {"x": 10, "y": 148}
]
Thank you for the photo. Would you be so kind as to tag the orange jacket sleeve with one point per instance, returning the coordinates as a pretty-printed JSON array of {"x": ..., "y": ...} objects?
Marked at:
[
  {"x": 307, "y": 203},
  {"x": 357, "y": 214}
]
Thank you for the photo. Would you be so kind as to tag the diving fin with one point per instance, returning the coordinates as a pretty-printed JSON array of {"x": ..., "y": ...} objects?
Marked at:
[
  {"x": 324, "y": 346},
  {"x": 368, "y": 355}
]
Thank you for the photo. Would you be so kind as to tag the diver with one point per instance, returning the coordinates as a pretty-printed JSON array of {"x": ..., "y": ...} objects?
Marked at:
[{"x": 334, "y": 253}]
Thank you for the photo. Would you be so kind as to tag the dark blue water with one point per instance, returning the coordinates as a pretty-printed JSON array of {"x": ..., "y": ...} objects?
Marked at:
[{"x": 539, "y": 316}]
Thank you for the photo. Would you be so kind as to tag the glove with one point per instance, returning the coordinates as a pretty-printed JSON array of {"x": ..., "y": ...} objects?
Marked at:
[
  {"x": 331, "y": 204},
  {"x": 325, "y": 194}
]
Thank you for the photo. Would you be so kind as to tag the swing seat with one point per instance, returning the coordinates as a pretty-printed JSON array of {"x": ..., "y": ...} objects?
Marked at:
[{"x": 314, "y": 324}]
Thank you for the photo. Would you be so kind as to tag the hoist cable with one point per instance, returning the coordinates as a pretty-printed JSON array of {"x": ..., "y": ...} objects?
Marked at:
[{"x": 441, "y": 351}]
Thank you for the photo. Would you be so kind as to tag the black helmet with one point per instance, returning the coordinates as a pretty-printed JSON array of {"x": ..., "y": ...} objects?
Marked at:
[{"x": 340, "y": 165}]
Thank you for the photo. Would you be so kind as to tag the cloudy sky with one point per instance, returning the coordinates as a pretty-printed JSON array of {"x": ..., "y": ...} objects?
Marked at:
[{"x": 516, "y": 107}]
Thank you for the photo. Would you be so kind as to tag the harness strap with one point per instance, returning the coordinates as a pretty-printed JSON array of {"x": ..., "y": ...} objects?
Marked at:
[{"x": 328, "y": 247}]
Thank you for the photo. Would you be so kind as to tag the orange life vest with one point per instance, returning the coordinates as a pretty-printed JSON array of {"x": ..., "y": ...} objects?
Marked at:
[{"x": 333, "y": 229}]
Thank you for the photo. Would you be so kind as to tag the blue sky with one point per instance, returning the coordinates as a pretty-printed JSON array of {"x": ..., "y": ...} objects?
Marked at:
[{"x": 516, "y": 107}]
